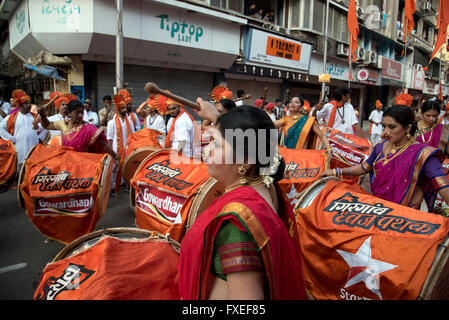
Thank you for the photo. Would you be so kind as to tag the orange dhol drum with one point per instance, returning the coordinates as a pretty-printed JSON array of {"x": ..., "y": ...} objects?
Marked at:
[
  {"x": 357, "y": 246},
  {"x": 8, "y": 162},
  {"x": 347, "y": 150},
  {"x": 113, "y": 264},
  {"x": 55, "y": 141},
  {"x": 169, "y": 191},
  {"x": 64, "y": 192},
  {"x": 302, "y": 168},
  {"x": 139, "y": 146}
]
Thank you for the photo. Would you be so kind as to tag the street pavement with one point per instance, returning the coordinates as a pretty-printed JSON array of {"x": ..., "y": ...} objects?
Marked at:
[{"x": 24, "y": 251}]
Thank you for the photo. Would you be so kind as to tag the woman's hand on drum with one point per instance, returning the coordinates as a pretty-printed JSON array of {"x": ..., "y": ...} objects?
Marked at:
[{"x": 327, "y": 173}]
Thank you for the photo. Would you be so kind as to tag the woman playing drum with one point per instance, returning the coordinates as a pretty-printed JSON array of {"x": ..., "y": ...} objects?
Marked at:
[
  {"x": 297, "y": 128},
  {"x": 233, "y": 250},
  {"x": 401, "y": 169},
  {"x": 78, "y": 134},
  {"x": 430, "y": 132}
]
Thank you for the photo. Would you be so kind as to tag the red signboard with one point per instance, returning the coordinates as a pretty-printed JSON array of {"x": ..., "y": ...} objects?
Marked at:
[{"x": 391, "y": 69}]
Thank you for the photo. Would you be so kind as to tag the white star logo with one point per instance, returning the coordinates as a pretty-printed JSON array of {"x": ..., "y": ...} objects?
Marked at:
[{"x": 364, "y": 268}]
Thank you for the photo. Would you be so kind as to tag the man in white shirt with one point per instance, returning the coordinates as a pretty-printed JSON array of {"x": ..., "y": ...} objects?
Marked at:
[
  {"x": 156, "y": 122},
  {"x": 339, "y": 114},
  {"x": 240, "y": 95},
  {"x": 60, "y": 105},
  {"x": 376, "y": 127},
  {"x": 5, "y": 108},
  {"x": 89, "y": 115},
  {"x": 18, "y": 128},
  {"x": 117, "y": 138},
  {"x": 133, "y": 117},
  {"x": 181, "y": 136}
]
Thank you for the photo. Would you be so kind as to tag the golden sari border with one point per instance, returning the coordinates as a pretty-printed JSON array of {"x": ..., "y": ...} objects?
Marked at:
[
  {"x": 423, "y": 156},
  {"x": 305, "y": 132}
]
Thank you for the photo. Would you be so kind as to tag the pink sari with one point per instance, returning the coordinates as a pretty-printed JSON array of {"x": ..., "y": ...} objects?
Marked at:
[
  {"x": 437, "y": 137},
  {"x": 86, "y": 139}
]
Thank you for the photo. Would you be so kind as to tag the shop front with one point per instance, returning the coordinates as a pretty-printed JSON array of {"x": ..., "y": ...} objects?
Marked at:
[{"x": 392, "y": 82}]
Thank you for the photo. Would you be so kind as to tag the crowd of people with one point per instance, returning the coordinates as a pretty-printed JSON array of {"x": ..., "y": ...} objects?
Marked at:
[{"x": 232, "y": 250}]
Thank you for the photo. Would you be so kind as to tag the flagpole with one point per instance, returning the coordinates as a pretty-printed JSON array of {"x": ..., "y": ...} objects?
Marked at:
[
  {"x": 405, "y": 53},
  {"x": 350, "y": 60}
]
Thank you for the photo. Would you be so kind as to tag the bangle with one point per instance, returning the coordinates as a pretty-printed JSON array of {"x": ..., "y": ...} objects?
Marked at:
[{"x": 117, "y": 156}]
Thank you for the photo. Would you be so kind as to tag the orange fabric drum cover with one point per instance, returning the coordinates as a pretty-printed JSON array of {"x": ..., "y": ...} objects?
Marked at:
[
  {"x": 302, "y": 168},
  {"x": 8, "y": 161},
  {"x": 164, "y": 191},
  {"x": 142, "y": 138},
  {"x": 55, "y": 141},
  {"x": 61, "y": 191},
  {"x": 113, "y": 269},
  {"x": 357, "y": 246},
  {"x": 348, "y": 150}
]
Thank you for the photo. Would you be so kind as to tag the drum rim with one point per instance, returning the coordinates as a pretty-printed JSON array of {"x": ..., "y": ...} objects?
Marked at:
[
  {"x": 21, "y": 176},
  {"x": 303, "y": 194},
  {"x": 71, "y": 247},
  {"x": 16, "y": 164},
  {"x": 152, "y": 149},
  {"x": 107, "y": 166},
  {"x": 196, "y": 203}
]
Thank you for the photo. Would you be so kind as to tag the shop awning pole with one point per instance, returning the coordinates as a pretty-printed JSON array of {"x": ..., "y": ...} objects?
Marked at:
[
  {"x": 323, "y": 85},
  {"x": 119, "y": 47}
]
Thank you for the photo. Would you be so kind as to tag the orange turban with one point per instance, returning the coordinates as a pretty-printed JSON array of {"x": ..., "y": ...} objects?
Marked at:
[
  {"x": 20, "y": 97},
  {"x": 221, "y": 92},
  {"x": 151, "y": 102},
  {"x": 61, "y": 98},
  {"x": 270, "y": 106},
  {"x": 127, "y": 96},
  {"x": 307, "y": 106},
  {"x": 379, "y": 104},
  {"x": 119, "y": 101},
  {"x": 404, "y": 99},
  {"x": 162, "y": 103},
  {"x": 258, "y": 103}
]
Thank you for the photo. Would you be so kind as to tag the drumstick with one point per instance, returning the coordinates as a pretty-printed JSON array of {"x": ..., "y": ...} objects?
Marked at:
[
  {"x": 243, "y": 98},
  {"x": 265, "y": 90},
  {"x": 152, "y": 88},
  {"x": 47, "y": 104}
]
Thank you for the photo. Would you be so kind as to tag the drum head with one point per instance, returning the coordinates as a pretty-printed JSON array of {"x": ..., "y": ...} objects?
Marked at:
[
  {"x": 86, "y": 241},
  {"x": 307, "y": 196},
  {"x": 133, "y": 160},
  {"x": 205, "y": 195}
]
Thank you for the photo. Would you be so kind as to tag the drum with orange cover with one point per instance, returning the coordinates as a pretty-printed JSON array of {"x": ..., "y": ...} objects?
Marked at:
[
  {"x": 169, "y": 191},
  {"x": 347, "y": 150},
  {"x": 302, "y": 168},
  {"x": 139, "y": 145},
  {"x": 359, "y": 247},
  {"x": 55, "y": 141},
  {"x": 113, "y": 264},
  {"x": 64, "y": 192},
  {"x": 8, "y": 162}
]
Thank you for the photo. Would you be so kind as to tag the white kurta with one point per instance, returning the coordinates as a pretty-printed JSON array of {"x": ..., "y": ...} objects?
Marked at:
[
  {"x": 376, "y": 116},
  {"x": 25, "y": 137},
  {"x": 157, "y": 123},
  {"x": 54, "y": 118},
  {"x": 112, "y": 131},
  {"x": 138, "y": 126},
  {"x": 183, "y": 131},
  {"x": 349, "y": 118},
  {"x": 91, "y": 117}
]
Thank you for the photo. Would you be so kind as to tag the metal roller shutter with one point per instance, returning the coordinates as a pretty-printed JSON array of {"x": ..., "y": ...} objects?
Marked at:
[{"x": 189, "y": 84}]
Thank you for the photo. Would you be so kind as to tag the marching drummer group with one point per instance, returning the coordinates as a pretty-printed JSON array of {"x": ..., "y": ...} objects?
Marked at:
[{"x": 232, "y": 249}]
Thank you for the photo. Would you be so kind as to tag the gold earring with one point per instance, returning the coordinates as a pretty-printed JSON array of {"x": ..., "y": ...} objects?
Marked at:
[
  {"x": 409, "y": 136},
  {"x": 242, "y": 171}
]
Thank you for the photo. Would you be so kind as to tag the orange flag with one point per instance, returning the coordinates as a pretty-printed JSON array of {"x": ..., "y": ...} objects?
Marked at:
[
  {"x": 353, "y": 27},
  {"x": 443, "y": 22},
  {"x": 409, "y": 23}
]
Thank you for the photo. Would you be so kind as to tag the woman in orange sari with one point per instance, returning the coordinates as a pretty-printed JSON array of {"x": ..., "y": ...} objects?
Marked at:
[
  {"x": 245, "y": 245},
  {"x": 298, "y": 129}
]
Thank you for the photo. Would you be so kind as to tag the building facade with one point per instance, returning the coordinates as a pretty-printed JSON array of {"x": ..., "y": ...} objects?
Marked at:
[{"x": 188, "y": 47}]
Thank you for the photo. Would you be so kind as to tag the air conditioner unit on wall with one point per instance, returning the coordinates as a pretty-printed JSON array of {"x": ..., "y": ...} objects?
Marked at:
[
  {"x": 400, "y": 35},
  {"x": 417, "y": 67},
  {"x": 360, "y": 13},
  {"x": 427, "y": 6},
  {"x": 342, "y": 50},
  {"x": 360, "y": 54},
  {"x": 371, "y": 57}
]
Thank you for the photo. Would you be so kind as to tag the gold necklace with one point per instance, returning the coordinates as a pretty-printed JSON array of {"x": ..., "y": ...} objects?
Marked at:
[
  {"x": 397, "y": 153},
  {"x": 249, "y": 182},
  {"x": 425, "y": 130}
]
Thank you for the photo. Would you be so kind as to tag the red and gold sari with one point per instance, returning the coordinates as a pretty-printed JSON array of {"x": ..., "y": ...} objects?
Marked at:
[{"x": 275, "y": 236}]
